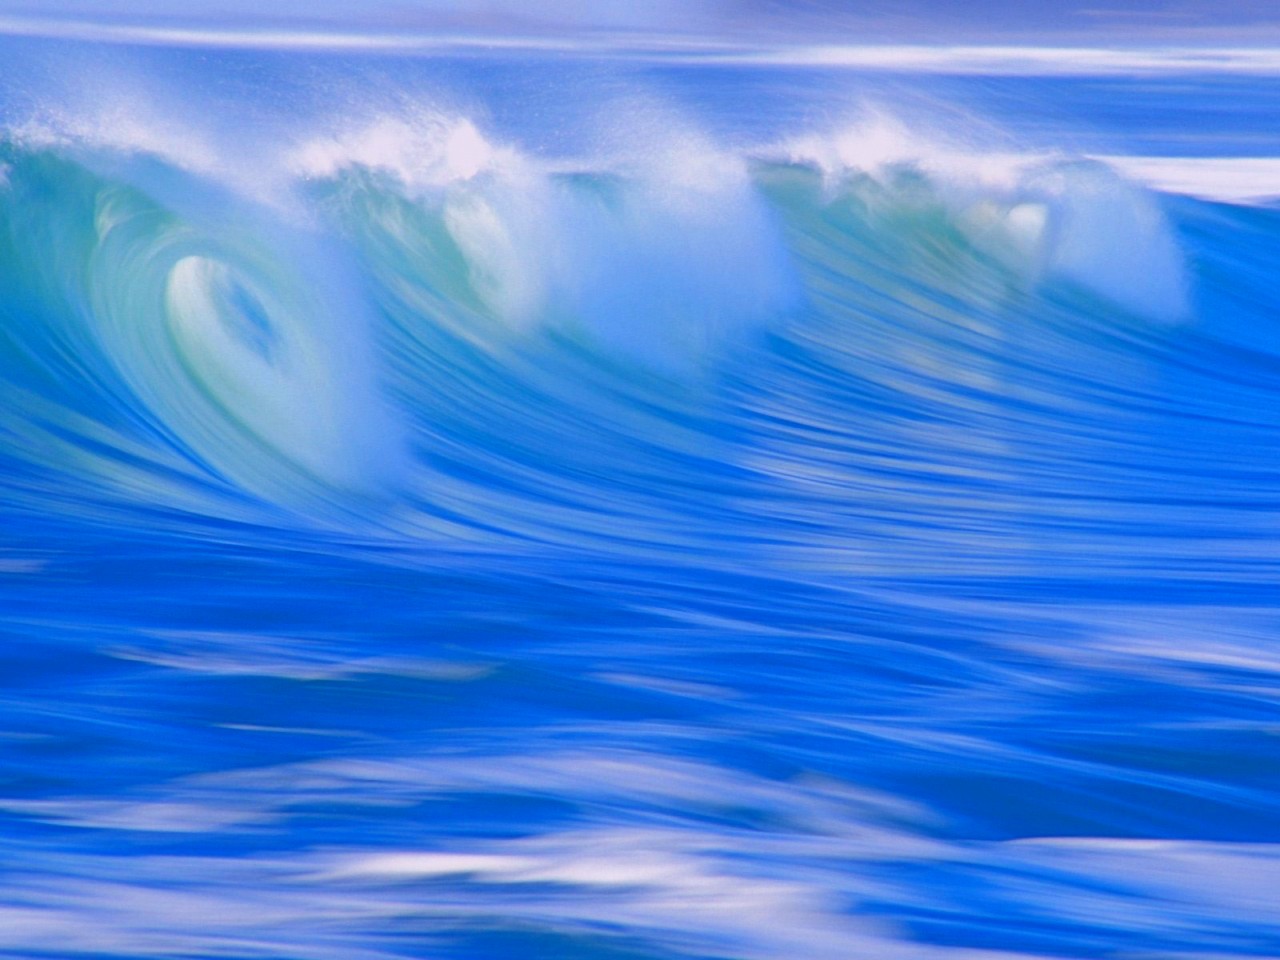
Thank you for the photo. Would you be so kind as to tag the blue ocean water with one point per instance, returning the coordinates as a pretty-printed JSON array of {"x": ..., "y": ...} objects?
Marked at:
[{"x": 515, "y": 504}]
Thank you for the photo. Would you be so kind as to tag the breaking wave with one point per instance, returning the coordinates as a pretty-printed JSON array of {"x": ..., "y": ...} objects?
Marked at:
[{"x": 414, "y": 304}]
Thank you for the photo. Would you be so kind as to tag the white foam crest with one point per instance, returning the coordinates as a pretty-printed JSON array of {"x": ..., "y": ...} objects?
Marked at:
[
  {"x": 420, "y": 145},
  {"x": 122, "y": 128},
  {"x": 870, "y": 145},
  {"x": 131, "y": 126},
  {"x": 880, "y": 143},
  {"x": 422, "y": 149}
]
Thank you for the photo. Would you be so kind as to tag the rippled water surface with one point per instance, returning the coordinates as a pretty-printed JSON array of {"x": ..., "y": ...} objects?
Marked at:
[{"x": 534, "y": 506}]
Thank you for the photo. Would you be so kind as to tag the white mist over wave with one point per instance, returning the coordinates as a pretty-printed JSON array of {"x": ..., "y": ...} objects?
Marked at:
[
  {"x": 423, "y": 150},
  {"x": 121, "y": 126},
  {"x": 1110, "y": 236}
]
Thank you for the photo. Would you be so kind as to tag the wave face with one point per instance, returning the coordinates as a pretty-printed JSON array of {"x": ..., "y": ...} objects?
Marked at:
[{"x": 508, "y": 508}]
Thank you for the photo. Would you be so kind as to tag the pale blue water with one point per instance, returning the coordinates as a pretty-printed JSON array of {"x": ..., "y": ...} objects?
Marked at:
[{"x": 541, "y": 506}]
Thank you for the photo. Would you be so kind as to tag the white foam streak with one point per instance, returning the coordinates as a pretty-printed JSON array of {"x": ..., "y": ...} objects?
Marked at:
[
  {"x": 1011, "y": 60},
  {"x": 988, "y": 59},
  {"x": 1232, "y": 179},
  {"x": 170, "y": 816},
  {"x": 240, "y": 38},
  {"x": 678, "y": 884},
  {"x": 650, "y": 879}
]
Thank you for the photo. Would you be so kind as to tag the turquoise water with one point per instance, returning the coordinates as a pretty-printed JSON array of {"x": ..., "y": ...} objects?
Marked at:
[{"x": 540, "y": 506}]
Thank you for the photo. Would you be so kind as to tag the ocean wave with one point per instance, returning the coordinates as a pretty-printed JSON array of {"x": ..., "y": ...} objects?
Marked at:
[{"x": 325, "y": 351}]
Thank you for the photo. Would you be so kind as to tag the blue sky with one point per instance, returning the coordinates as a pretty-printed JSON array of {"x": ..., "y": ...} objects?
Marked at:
[{"x": 968, "y": 21}]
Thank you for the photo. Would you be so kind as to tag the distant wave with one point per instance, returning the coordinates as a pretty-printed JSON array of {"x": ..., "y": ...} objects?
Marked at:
[{"x": 1004, "y": 59}]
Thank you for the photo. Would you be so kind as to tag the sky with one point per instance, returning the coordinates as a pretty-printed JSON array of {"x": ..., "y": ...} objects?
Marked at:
[{"x": 1073, "y": 22}]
